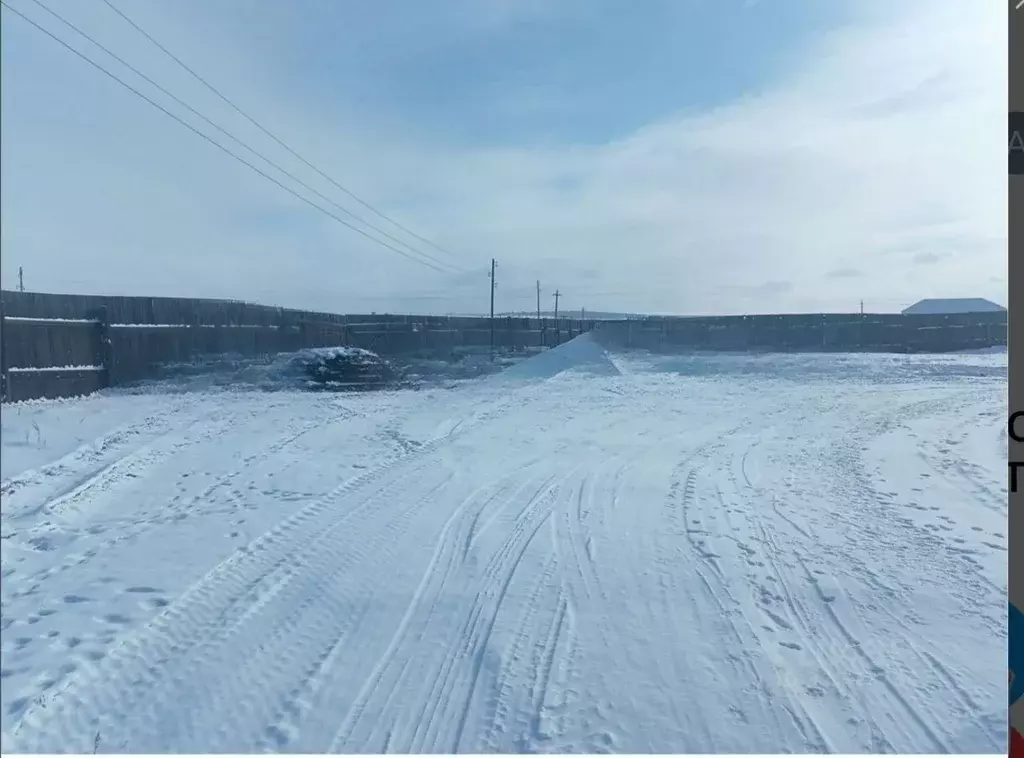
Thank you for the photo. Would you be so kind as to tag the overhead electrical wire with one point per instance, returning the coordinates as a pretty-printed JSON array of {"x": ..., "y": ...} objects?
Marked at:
[
  {"x": 126, "y": 64},
  {"x": 272, "y": 136}
]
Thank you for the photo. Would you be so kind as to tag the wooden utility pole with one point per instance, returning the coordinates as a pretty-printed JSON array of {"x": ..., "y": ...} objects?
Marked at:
[
  {"x": 3, "y": 357},
  {"x": 558, "y": 327},
  {"x": 493, "y": 266},
  {"x": 538, "y": 300},
  {"x": 862, "y": 307},
  {"x": 21, "y": 279}
]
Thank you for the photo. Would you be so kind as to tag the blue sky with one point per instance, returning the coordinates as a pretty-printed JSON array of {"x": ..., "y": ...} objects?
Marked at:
[
  {"x": 688, "y": 156},
  {"x": 580, "y": 74}
]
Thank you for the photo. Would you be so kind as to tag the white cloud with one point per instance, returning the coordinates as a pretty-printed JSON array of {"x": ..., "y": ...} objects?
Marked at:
[{"x": 885, "y": 144}]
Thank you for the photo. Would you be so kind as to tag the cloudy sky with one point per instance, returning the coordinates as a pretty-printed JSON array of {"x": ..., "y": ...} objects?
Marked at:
[{"x": 672, "y": 156}]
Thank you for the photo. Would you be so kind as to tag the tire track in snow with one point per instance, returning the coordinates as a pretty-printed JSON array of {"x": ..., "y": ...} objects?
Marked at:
[
  {"x": 450, "y": 549},
  {"x": 796, "y": 621},
  {"x": 424, "y": 721},
  {"x": 874, "y": 669},
  {"x": 304, "y": 628},
  {"x": 128, "y": 466},
  {"x": 726, "y": 600},
  {"x": 286, "y": 439},
  {"x": 270, "y": 586},
  {"x": 210, "y": 607},
  {"x": 475, "y": 631},
  {"x": 904, "y": 540},
  {"x": 543, "y": 672},
  {"x": 569, "y": 533},
  {"x": 506, "y": 687},
  {"x": 941, "y": 672},
  {"x": 527, "y": 534},
  {"x": 74, "y": 468},
  {"x": 129, "y": 528},
  {"x": 445, "y": 546}
]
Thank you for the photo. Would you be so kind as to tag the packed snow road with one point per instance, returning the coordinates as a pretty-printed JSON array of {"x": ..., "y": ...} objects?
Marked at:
[{"x": 731, "y": 554}]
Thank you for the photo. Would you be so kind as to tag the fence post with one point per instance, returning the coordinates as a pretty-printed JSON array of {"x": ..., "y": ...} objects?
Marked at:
[
  {"x": 3, "y": 357},
  {"x": 105, "y": 350}
]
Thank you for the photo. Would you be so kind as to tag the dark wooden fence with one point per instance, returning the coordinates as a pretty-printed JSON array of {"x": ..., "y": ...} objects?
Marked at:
[
  {"x": 64, "y": 345},
  {"x": 830, "y": 332}
]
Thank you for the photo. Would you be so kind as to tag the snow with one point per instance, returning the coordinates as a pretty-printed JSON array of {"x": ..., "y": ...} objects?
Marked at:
[
  {"x": 588, "y": 553},
  {"x": 581, "y": 355},
  {"x": 30, "y": 320},
  {"x": 189, "y": 326},
  {"x": 335, "y": 353},
  {"x": 30, "y": 369}
]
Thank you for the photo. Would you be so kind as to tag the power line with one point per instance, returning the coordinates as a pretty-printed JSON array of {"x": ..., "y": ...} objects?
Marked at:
[
  {"x": 236, "y": 140},
  {"x": 270, "y": 134},
  {"x": 216, "y": 144}
]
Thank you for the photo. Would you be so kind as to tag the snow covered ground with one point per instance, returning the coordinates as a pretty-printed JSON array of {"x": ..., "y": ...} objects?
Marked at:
[{"x": 586, "y": 553}]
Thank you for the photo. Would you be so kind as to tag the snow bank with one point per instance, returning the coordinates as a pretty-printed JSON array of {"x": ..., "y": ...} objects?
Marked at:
[
  {"x": 844, "y": 367},
  {"x": 44, "y": 369},
  {"x": 32, "y": 320},
  {"x": 582, "y": 354}
]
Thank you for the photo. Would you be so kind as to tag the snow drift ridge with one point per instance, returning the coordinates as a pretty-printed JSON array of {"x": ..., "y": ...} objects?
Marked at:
[{"x": 583, "y": 354}]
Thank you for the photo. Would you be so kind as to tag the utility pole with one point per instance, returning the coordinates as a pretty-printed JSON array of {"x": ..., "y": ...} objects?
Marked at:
[
  {"x": 862, "y": 307},
  {"x": 538, "y": 300},
  {"x": 21, "y": 279},
  {"x": 558, "y": 329},
  {"x": 493, "y": 283}
]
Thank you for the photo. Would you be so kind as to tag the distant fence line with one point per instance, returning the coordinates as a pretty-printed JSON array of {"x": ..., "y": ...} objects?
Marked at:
[
  {"x": 829, "y": 332},
  {"x": 54, "y": 345}
]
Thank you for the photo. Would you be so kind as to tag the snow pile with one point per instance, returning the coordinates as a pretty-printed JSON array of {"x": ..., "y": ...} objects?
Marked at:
[{"x": 582, "y": 354}]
